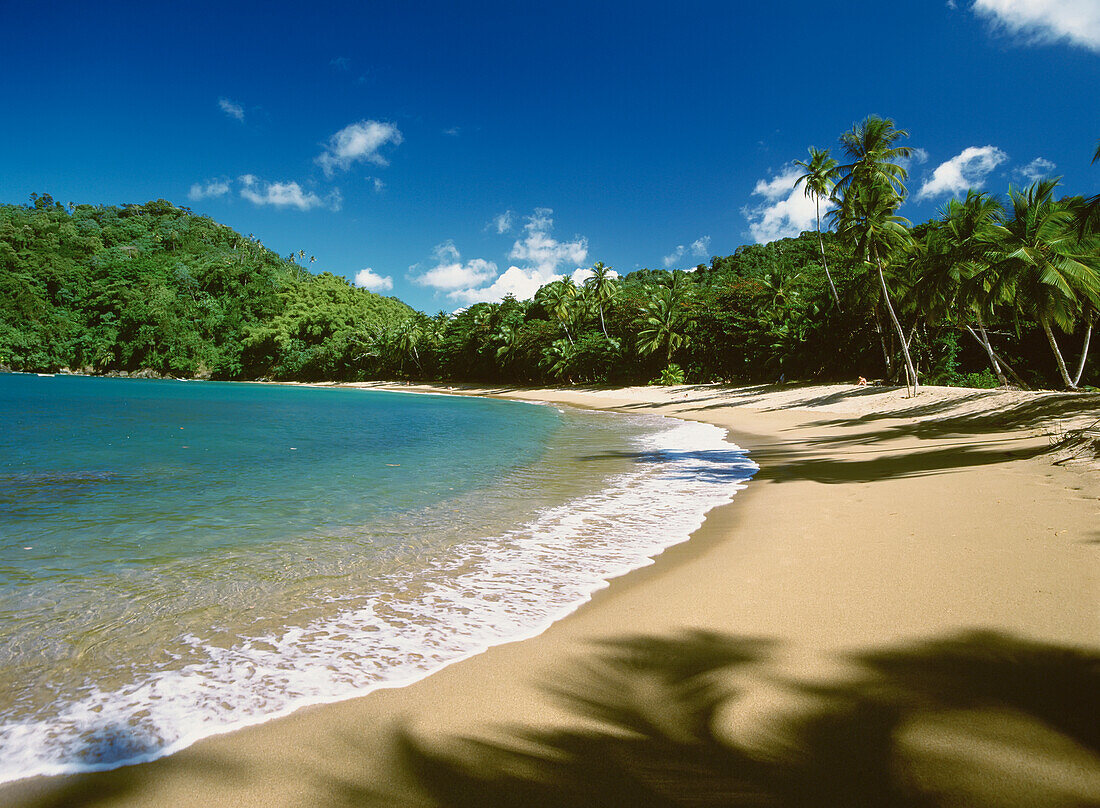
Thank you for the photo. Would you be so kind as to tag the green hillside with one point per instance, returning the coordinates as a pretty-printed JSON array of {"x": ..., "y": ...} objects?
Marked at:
[{"x": 156, "y": 287}]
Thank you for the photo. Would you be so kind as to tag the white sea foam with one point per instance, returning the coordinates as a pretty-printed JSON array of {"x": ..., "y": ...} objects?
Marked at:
[{"x": 484, "y": 592}]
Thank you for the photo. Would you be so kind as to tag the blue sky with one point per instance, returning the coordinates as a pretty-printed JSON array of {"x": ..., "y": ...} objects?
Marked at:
[{"x": 447, "y": 153}]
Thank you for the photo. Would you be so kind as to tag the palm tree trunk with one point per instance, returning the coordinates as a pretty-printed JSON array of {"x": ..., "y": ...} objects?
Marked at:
[
  {"x": 821, "y": 244},
  {"x": 1057, "y": 354},
  {"x": 602, "y": 326},
  {"x": 1084, "y": 350},
  {"x": 882, "y": 341},
  {"x": 992, "y": 354},
  {"x": 909, "y": 369},
  {"x": 909, "y": 344},
  {"x": 1004, "y": 364},
  {"x": 983, "y": 340}
]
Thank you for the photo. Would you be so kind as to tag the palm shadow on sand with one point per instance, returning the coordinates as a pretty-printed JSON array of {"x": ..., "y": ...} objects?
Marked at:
[{"x": 977, "y": 720}]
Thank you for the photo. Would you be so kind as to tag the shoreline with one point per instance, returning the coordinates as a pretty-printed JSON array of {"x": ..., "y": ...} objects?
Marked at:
[
  {"x": 606, "y": 554},
  {"x": 796, "y": 566}
]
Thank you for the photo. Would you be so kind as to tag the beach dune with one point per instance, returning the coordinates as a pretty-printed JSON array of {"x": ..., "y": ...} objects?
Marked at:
[{"x": 902, "y": 605}]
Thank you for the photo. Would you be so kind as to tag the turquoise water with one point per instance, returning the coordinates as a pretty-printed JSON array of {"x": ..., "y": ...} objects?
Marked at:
[
  {"x": 105, "y": 474},
  {"x": 179, "y": 558}
]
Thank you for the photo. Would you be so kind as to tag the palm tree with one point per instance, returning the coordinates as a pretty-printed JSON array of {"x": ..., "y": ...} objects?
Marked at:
[
  {"x": 440, "y": 320},
  {"x": 820, "y": 178},
  {"x": 950, "y": 283},
  {"x": 506, "y": 337},
  {"x": 871, "y": 145},
  {"x": 406, "y": 340},
  {"x": 1090, "y": 320},
  {"x": 869, "y": 192},
  {"x": 603, "y": 287},
  {"x": 781, "y": 288},
  {"x": 1041, "y": 264},
  {"x": 557, "y": 357},
  {"x": 559, "y": 298},
  {"x": 1088, "y": 210},
  {"x": 483, "y": 315},
  {"x": 678, "y": 282},
  {"x": 868, "y": 222},
  {"x": 663, "y": 324}
]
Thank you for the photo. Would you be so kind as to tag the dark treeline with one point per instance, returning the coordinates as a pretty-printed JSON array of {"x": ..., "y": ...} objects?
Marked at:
[{"x": 992, "y": 291}]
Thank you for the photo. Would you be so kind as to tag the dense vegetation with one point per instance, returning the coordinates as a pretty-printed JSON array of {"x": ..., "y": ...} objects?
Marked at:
[
  {"x": 990, "y": 292},
  {"x": 154, "y": 287},
  {"x": 979, "y": 296}
]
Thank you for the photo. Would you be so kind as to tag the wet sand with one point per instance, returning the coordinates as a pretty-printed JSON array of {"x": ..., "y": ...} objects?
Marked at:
[{"x": 876, "y": 525}]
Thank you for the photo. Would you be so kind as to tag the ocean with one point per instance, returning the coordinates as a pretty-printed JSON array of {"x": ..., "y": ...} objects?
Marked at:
[{"x": 179, "y": 559}]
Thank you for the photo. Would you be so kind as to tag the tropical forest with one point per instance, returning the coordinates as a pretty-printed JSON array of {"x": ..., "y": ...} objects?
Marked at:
[{"x": 997, "y": 289}]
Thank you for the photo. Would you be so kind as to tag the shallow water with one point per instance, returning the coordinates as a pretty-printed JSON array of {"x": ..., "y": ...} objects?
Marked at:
[{"x": 183, "y": 558}]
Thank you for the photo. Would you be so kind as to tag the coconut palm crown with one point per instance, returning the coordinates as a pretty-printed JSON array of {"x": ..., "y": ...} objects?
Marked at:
[
  {"x": 820, "y": 178},
  {"x": 1042, "y": 264},
  {"x": 875, "y": 156},
  {"x": 603, "y": 287}
]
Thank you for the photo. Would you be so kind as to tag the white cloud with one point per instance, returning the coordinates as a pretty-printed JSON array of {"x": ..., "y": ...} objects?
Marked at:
[
  {"x": 698, "y": 249},
  {"x": 286, "y": 195},
  {"x": 232, "y": 109},
  {"x": 370, "y": 280},
  {"x": 378, "y": 184},
  {"x": 211, "y": 189},
  {"x": 450, "y": 277},
  {"x": 502, "y": 223},
  {"x": 520, "y": 283},
  {"x": 358, "y": 142},
  {"x": 788, "y": 210},
  {"x": 965, "y": 170},
  {"x": 1037, "y": 169},
  {"x": 546, "y": 253},
  {"x": 779, "y": 186},
  {"x": 1045, "y": 21},
  {"x": 540, "y": 258},
  {"x": 451, "y": 274},
  {"x": 453, "y": 131},
  {"x": 582, "y": 274},
  {"x": 674, "y": 256},
  {"x": 918, "y": 156}
]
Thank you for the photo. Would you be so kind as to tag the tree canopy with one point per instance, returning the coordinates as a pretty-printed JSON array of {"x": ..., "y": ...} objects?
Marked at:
[
  {"x": 156, "y": 287},
  {"x": 991, "y": 289}
]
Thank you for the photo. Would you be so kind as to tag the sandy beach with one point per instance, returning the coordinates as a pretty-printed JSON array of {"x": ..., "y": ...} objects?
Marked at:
[{"x": 904, "y": 601}]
